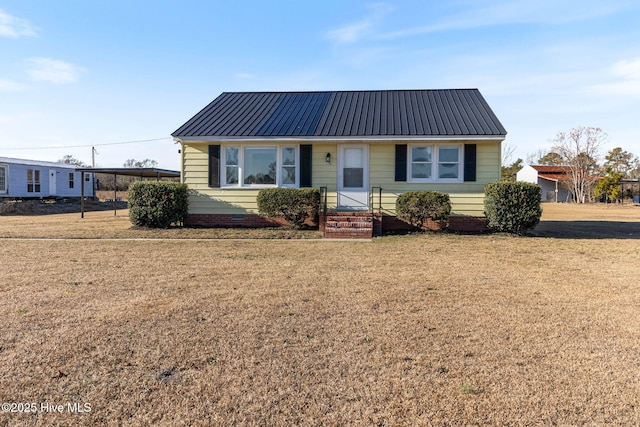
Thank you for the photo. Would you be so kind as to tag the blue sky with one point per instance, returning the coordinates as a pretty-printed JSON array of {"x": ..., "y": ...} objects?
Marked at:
[{"x": 76, "y": 74}]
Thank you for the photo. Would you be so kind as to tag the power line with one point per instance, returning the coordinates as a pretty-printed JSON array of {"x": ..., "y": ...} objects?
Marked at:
[{"x": 87, "y": 145}]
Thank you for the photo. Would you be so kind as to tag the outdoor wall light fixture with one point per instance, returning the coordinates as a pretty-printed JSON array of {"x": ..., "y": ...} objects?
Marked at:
[{"x": 328, "y": 158}]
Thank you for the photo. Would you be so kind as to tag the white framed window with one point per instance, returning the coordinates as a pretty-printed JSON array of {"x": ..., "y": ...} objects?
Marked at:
[
  {"x": 3, "y": 179},
  {"x": 71, "y": 179},
  {"x": 435, "y": 163},
  {"x": 249, "y": 166},
  {"x": 290, "y": 172},
  {"x": 33, "y": 181},
  {"x": 421, "y": 162}
]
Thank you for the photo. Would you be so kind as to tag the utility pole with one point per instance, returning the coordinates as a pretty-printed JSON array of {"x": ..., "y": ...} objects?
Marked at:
[{"x": 93, "y": 165}]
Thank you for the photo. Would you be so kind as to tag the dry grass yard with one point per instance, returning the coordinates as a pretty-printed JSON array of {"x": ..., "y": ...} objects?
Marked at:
[{"x": 434, "y": 329}]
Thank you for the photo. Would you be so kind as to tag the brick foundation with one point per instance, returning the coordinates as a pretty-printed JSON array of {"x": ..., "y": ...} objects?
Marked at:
[
  {"x": 468, "y": 224},
  {"x": 461, "y": 224},
  {"x": 381, "y": 223},
  {"x": 242, "y": 220}
]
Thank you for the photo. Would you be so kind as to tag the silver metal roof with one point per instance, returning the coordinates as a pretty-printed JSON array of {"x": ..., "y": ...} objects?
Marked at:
[
  {"x": 11, "y": 160},
  {"x": 443, "y": 112},
  {"x": 139, "y": 172}
]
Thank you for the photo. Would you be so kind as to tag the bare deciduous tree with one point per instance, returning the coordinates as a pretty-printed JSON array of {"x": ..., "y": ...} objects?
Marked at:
[
  {"x": 580, "y": 149},
  {"x": 507, "y": 153},
  {"x": 70, "y": 160},
  {"x": 146, "y": 163}
]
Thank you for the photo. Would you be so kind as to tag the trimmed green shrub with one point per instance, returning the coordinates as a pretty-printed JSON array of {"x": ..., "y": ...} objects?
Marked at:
[
  {"x": 295, "y": 205},
  {"x": 512, "y": 207},
  {"x": 157, "y": 204},
  {"x": 415, "y": 207}
]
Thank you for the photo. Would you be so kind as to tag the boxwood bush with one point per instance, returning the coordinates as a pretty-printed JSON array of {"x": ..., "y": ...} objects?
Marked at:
[
  {"x": 512, "y": 207},
  {"x": 295, "y": 205},
  {"x": 415, "y": 207},
  {"x": 157, "y": 204}
]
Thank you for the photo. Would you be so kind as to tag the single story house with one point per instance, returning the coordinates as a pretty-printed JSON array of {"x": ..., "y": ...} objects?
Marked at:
[
  {"x": 20, "y": 178},
  {"x": 553, "y": 180},
  {"x": 361, "y": 148}
]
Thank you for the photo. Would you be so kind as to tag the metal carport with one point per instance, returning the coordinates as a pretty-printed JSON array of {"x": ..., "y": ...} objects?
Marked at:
[{"x": 149, "y": 173}]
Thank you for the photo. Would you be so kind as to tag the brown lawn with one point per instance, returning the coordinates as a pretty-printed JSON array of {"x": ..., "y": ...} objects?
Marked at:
[{"x": 434, "y": 329}]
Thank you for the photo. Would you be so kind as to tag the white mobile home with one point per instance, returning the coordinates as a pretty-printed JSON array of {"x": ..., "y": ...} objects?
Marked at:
[{"x": 20, "y": 178}]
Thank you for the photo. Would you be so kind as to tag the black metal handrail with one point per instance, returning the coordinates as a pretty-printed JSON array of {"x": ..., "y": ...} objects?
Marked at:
[
  {"x": 323, "y": 200},
  {"x": 371, "y": 201}
]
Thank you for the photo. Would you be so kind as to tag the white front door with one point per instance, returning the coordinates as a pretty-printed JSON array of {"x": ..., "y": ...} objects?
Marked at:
[
  {"x": 353, "y": 177},
  {"x": 52, "y": 182}
]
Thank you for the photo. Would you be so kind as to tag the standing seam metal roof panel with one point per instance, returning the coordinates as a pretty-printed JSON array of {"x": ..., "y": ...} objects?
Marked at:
[
  {"x": 316, "y": 106},
  {"x": 438, "y": 125},
  {"x": 465, "y": 110},
  {"x": 444, "y": 112},
  {"x": 251, "y": 115},
  {"x": 484, "y": 119},
  {"x": 357, "y": 114},
  {"x": 455, "y": 113},
  {"x": 449, "y": 114}
]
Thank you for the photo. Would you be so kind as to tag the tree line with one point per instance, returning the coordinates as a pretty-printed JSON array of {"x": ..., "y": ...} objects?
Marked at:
[{"x": 578, "y": 151}]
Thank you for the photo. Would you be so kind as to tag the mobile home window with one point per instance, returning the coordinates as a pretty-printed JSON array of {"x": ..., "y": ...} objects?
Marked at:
[
  {"x": 33, "y": 181},
  {"x": 71, "y": 179},
  {"x": 3, "y": 178}
]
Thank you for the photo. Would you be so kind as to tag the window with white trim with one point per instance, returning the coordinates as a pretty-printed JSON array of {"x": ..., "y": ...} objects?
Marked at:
[
  {"x": 71, "y": 179},
  {"x": 435, "y": 163},
  {"x": 249, "y": 166},
  {"x": 289, "y": 167},
  {"x": 3, "y": 179},
  {"x": 33, "y": 181}
]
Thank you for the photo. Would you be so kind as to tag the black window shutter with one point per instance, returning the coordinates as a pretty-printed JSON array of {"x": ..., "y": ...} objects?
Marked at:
[
  {"x": 401, "y": 162},
  {"x": 469, "y": 162},
  {"x": 305, "y": 165},
  {"x": 214, "y": 166}
]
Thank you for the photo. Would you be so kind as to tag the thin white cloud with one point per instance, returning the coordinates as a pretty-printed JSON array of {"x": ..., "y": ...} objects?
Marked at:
[
  {"x": 54, "y": 71},
  {"x": 357, "y": 30},
  {"x": 627, "y": 68},
  {"x": 7, "y": 85},
  {"x": 13, "y": 27},
  {"x": 245, "y": 76},
  {"x": 626, "y": 79},
  {"x": 479, "y": 14}
]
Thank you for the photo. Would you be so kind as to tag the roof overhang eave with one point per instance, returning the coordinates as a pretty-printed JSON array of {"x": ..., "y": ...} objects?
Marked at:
[
  {"x": 546, "y": 178},
  {"x": 341, "y": 138}
]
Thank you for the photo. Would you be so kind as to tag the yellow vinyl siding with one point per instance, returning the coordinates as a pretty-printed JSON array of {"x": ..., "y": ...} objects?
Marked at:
[
  {"x": 207, "y": 200},
  {"x": 467, "y": 198},
  {"x": 325, "y": 174}
]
